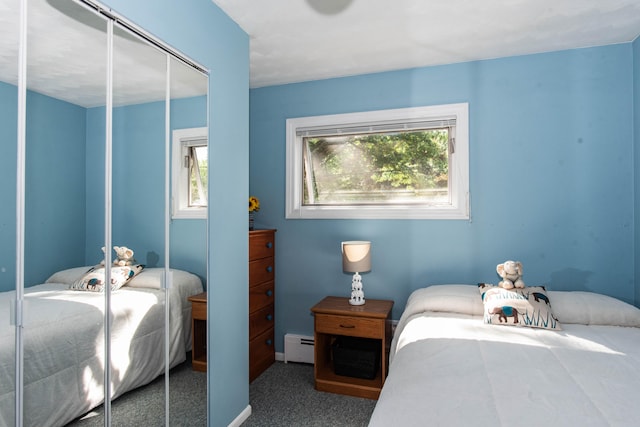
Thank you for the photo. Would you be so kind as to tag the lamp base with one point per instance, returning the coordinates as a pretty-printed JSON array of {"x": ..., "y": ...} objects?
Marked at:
[
  {"x": 355, "y": 301},
  {"x": 357, "y": 294}
]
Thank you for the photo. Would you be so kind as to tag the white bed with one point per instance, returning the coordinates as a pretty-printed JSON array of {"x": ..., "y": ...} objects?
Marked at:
[
  {"x": 64, "y": 343},
  {"x": 447, "y": 367}
]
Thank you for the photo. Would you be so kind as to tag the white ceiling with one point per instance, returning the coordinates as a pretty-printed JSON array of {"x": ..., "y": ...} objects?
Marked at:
[
  {"x": 301, "y": 40},
  {"x": 66, "y": 57}
]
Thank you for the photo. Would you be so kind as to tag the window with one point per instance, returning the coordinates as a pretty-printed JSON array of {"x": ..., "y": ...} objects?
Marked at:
[
  {"x": 405, "y": 163},
  {"x": 190, "y": 167}
]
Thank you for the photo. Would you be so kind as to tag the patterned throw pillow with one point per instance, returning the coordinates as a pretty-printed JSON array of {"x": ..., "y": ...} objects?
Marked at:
[
  {"x": 94, "y": 279},
  {"x": 529, "y": 306}
]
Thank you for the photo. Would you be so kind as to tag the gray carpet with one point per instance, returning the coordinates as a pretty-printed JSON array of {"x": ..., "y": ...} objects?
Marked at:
[
  {"x": 144, "y": 406},
  {"x": 283, "y": 396}
]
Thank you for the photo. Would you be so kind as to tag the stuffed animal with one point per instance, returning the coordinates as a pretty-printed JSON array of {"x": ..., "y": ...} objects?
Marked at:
[
  {"x": 511, "y": 273},
  {"x": 124, "y": 256}
]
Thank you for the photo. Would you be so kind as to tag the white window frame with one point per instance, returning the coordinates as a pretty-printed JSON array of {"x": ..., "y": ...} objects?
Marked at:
[
  {"x": 181, "y": 140},
  {"x": 458, "y": 206}
]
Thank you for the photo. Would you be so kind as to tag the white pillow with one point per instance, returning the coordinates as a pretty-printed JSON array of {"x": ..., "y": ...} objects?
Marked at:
[
  {"x": 153, "y": 278},
  {"x": 148, "y": 278},
  {"x": 462, "y": 299},
  {"x": 589, "y": 308},
  {"x": 68, "y": 276}
]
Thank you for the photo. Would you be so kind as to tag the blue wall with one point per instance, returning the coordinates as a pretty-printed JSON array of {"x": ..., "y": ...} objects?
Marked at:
[
  {"x": 551, "y": 181},
  {"x": 202, "y": 31},
  {"x": 138, "y": 185},
  {"x": 64, "y": 208},
  {"x": 55, "y": 202},
  {"x": 54, "y": 177}
]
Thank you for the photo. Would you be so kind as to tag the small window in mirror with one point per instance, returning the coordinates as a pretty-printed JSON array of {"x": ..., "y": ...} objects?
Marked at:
[
  {"x": 196, "y": 160},
  {"x": 190, "y": 157}
]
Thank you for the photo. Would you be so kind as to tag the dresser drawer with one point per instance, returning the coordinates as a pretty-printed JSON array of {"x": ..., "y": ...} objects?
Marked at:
[
  {"x": 261, "y": 245},
  {"x": 261, "y": 296},
  {"x": 261, "y": 353},
  {"x": 260, "y": 321},
  {"x": 261, "y": 270},
  {"x": 350, "y": 326}
]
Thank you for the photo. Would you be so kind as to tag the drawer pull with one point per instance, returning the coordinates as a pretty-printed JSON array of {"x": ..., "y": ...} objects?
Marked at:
[
  {"x": 269, "y": 245},
  {"x": 347, "y": 326},
  {"x": 269, "y": 293},
  {"x": 269, "y": 269},
  {"x": 269, "y": 317},
  {"x": 269, "y": 342}
]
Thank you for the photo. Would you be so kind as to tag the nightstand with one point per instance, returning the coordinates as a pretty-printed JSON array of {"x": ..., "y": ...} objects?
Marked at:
[
  {"x": 335, "y": 317},
  {"x": 199, "y": 332}
]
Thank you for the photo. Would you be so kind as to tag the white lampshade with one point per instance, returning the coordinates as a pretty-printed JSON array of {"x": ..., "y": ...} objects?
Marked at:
[{"x": 356, "y": 256}]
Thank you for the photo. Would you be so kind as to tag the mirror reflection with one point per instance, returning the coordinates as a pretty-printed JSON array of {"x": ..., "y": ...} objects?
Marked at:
[
  {"x": 9, "y": 26},
  {"x": 99, "y": 177},
  {"x": 189, "y": 138}
]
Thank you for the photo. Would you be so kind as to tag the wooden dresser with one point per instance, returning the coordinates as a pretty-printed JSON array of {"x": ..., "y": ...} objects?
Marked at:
[{"x": 262, "y": 248}]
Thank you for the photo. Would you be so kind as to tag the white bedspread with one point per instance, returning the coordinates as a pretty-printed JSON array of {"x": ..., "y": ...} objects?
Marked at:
[
  {"x": 64, "y": 347},
  {"x": 451, "y": 369}
]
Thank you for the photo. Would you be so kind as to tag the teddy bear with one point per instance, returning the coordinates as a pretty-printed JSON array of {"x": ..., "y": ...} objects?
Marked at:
[
  {"x": 124, "y": 256},
  {"x": 511, "y": 273}
]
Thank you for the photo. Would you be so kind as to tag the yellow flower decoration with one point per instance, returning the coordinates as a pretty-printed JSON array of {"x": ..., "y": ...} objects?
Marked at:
[{"x": 254, "y": 204}]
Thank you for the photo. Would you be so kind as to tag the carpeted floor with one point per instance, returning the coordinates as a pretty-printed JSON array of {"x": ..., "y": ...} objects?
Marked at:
[
  {"x": 283, "y": 396},
  {"x": 144, "y": 407}
]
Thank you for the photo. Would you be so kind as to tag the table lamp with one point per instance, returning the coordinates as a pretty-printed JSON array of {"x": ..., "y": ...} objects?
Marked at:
[{"x": 356, "y": 258}]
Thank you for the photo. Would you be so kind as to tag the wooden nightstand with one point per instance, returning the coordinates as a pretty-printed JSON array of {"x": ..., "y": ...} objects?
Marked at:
[
  {"x": 335, "y": 317},
  {"x": 199, "y": 332}
]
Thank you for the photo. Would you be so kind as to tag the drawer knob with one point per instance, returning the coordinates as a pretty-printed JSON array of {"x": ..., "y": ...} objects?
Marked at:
[
  {"x": 269, "y": 317},
  {"x": 269, "y": 342},
  {"x": 269, "y": 245},
  {"x": 269, "y": 292},
  {"x": 347, "y": 326},
  {"x": 269, "y": 269}
]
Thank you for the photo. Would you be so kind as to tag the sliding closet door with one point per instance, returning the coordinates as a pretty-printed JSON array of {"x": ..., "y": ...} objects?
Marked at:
[
  {"x": 91, "y": 172},
  {"x": 188, "y": 128},
  {"x": 138, "y": 194},
  {"x": 9, "y": 46},
  {"x": 66, "y": 47}
]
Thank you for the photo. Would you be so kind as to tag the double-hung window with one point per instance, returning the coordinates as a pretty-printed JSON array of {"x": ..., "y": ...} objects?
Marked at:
[
  {"x": 403, "y": 163},
  {"x": 190, "y": 169}
]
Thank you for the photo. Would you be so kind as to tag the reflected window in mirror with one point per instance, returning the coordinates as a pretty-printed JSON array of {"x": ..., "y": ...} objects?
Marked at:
[{"x": 190, "y": 173}]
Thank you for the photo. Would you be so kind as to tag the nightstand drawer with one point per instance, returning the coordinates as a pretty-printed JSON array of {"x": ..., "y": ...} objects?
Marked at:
[
  {"x": 350, "y": 326},
  {"x": 261, "y": 270}
]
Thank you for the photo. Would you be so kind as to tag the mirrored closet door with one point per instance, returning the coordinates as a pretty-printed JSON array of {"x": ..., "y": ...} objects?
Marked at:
[
  {"x": 188, "y": 114},
  {"x": 101, "y": 101},
  {"x": 60, "y": 88},
  {"x": 9, "y": 66}
]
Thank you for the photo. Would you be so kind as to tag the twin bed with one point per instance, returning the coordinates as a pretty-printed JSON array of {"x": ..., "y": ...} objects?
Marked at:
[
  {"x": 64, "y": 342},
  {"x": 452, "y": 363}
]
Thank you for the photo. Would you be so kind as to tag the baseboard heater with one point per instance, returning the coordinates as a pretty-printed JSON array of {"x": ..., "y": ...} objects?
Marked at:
[{"x": 298, "y": 348}]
